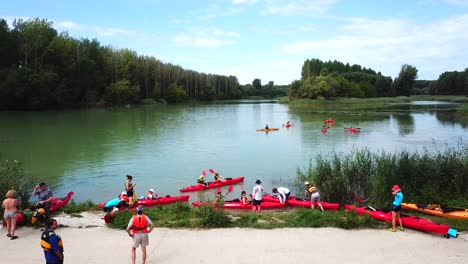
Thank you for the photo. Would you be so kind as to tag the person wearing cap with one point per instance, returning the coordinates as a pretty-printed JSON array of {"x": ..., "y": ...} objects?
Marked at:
[
  {"x": 396, "y": 207},
  {"x": 311, "y": 190},
  {"x": 283, "y": 193},
  {"x": 45, "y": 197},
  {"x": 257, "y": 195},
  {"x": 138, "y": 229},
  {"x": 219, "y": 198},
  {"x": 201, "y": 180},
  {"x": 129, "y": 185},
  {"x": 151, "y": 195}
]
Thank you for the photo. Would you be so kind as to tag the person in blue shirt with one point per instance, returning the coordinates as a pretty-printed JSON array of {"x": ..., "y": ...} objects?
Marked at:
[
  {"x": 52, "y": 243},
  {"x": 396, "y": 207}
]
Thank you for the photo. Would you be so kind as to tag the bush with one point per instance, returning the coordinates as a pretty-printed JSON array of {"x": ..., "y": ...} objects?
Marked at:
[
  {"x": 12, "y": 178},
  {"x": 74, "y": 207}
]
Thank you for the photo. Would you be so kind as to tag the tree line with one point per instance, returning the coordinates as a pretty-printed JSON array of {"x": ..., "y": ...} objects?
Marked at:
[{"x": 43, "y": 69}]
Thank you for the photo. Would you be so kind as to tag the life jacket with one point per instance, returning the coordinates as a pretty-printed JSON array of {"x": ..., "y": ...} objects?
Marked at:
[
  {"x": 45, "y": 240},
  {"x": 139, "y": 224},
  {"x": 201, "y": 181},
  {"x": 312, "y": 189},
  {"x": 245, "y": 200}
]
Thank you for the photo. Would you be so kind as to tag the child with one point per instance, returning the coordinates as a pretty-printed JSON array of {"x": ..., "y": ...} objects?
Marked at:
[
  {"x": 244, "y": 199},
  {"x": 219, "y": 198}
]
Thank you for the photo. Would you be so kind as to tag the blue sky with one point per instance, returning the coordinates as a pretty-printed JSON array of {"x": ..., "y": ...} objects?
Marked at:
[{"x": 269, "y": 39}]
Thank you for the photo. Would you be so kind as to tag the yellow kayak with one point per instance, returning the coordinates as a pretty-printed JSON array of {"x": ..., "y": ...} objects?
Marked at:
[
  {"x": 458, "y": 213},
  {"x": 267, "y": 130}
]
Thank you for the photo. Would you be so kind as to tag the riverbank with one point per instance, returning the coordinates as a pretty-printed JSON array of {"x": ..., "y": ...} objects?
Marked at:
[{"x": 239, "y": 245}]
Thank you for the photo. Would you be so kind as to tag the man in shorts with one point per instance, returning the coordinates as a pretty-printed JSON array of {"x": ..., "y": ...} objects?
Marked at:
[
  {"x": 138, "y": 229},
  {"x": 257, "y": 195}
]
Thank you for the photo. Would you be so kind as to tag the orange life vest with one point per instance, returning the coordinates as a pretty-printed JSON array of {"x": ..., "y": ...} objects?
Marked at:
[
  {"x": 312, "y": 189},
  {"x": 139, "y": 224}
]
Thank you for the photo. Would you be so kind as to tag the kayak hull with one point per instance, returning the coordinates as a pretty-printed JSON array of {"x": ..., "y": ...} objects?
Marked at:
[
  {"x": 296, "y": 202},
  {"x": 267, "y": 130},
  {"x": 154, "y": 202},
  {"x": 407, "y": 221},
  {"x": 211, "y": 185},
  {"x": 459, "y": 214},
  {"x": 240, "y": 205}
]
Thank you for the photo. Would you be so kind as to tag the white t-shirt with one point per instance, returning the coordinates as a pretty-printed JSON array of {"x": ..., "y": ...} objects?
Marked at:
[
  {"x": 257, "y": 192},
  {"x": 282, "y": 191}
]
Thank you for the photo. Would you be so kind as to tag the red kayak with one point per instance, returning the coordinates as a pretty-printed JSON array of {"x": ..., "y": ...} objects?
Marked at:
[
  {"x": 329, "y": 121},
  {"x": 157, "y": 201},
  {"x": 413, "y": 222},
  {"x": 240, "y": 205},
  {"x": 210, "y": 185},
  {"x": 296, "y": 202},
  {"x": 55, "y": 204},
  {"x": 352, "y": 129}
]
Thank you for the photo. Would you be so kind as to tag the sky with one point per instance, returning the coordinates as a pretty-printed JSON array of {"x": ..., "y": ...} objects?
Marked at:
[{"x": 269, "y": 39}]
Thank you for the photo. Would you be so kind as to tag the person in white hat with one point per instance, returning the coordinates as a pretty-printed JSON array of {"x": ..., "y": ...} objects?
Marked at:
[
  {"x": 151, "y": 195},
  {"x": 138, "y": 230}
]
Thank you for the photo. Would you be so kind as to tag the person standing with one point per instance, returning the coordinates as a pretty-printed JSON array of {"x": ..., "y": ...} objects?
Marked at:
[
  {"x": 396, "y": 207},
  {"x": 257, "y": 194},
  {"x": 138, "y": 229},
  {"x": 311, "y": 190},
  {"x": 10, "y": 206},
  {"x": 283, "y": 193},
  {"x": 45, "y": 197},
  {"x": 129, "y": 185},
  {"x": 52, "y": 243}
]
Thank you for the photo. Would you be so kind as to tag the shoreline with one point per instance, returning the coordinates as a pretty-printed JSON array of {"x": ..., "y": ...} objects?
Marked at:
[{"x": 100, "y": 244}]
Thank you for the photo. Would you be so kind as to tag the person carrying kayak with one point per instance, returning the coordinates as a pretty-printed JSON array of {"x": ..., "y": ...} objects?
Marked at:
[
  {"x": 283, "y": 193},
  {"x": 311, "y": 190},
  {"x": 244, "y": 199},
  {"x": 201, "y": 181},
  {"x": 129, "y": 185},
  {"x": 396, "y": 207}
]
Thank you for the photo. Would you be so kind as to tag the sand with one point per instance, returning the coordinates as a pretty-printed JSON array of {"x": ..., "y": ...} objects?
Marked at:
[{"x": 88, "y": 240}]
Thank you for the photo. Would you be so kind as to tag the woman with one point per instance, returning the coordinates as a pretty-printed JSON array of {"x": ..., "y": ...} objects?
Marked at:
[
  {"x": 396, "y": 207},
  {"x": 10, "y": 205},
  {"x": 129, "y": 185}
]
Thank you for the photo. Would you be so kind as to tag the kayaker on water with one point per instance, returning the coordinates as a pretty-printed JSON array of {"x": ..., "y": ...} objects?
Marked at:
[
  {"x": 129, "y": 185},
  {"x": 266, "y": 126},
  {"x": 201, "y": 181},
  {"x": 257, "y": 195},
  {"x": 218, "y": 178},
  {"x": 244, "y": 199},
  {"x": 283, "y": 193},
  {"x": 396, "y": 207},
  {"x": 314, "y": 195}
]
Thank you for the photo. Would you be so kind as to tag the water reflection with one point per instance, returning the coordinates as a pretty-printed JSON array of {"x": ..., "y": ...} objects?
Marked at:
[{"x": 405, "y": 123}]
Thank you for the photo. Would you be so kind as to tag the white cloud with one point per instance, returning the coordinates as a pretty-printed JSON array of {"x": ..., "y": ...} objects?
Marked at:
[
  {"x": 249, "y": 2},
  {"x": 214, "y": 38},
  {"x": 100, "y": 31},
  {"x": 458, "y": 2},
  {"x": 385, "y": 45},
  {"x": 294, "y": 7}
]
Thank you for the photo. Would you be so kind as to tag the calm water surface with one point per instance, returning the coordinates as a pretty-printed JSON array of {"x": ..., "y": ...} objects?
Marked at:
[{"x": 166, "y": 147}]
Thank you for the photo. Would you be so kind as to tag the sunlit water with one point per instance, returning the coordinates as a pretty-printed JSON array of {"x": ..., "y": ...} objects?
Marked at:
[{"x": 167, "y": 147}]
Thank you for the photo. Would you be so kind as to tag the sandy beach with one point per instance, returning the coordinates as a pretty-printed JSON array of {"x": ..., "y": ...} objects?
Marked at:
[{"x": 98, "y": 244}]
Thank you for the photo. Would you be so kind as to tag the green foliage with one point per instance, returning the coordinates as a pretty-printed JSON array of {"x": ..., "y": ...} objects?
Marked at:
[
  {"x": 210, "y": 217},
  {"x": 176, "y": 94},
  {"x": 73, "y": 207},
  {"x": 451, "y": 83},
  {"x": 425, "y": 177},
  {"x": 12, "y": 178},
  {"x": 121, "y": 93},
  {"x": 257, "y": 84},
  {"x": 406, "y": 78}
]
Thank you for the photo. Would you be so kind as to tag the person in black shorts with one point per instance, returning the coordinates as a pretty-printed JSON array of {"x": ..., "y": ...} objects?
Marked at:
[{"x": 129, "y": 185}]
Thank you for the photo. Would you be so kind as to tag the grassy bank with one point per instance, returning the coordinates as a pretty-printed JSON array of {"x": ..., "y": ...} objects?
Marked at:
[{"x": 363, "y": 104}]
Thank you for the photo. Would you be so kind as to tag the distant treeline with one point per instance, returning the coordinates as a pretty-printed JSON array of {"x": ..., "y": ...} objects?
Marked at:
[
  {"x": 336, "y": 79},
  {"x": 43, "y": 69}
]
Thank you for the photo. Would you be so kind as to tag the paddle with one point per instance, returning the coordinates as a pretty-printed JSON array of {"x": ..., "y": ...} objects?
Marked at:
[
  {"x": 360, "y": 200},
  {"x": 230, "y": 189},
  {"x": 203, "y": 172},
  {"x": 211, "y": 171}
]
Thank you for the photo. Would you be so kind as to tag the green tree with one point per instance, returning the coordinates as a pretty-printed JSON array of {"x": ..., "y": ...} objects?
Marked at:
[
  {"x": 405, "y": 82},
  {"x": 257, "y": 84}
]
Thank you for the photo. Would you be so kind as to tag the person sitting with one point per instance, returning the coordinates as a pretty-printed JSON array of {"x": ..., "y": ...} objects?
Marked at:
[
  {"x": 151, "y": 195},
  {"x": 244, "y": 199},
  {"x": 217, "y": 178},
  {"x": 219, "y": 198},
  {"x": 266, "y": 126},
  {"x": 201, "y": 181},
  {"x": 283, "y": 193}
]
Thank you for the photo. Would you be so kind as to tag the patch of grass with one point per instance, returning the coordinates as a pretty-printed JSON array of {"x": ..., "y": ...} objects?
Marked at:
[{"x": 73, "y": 207}]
